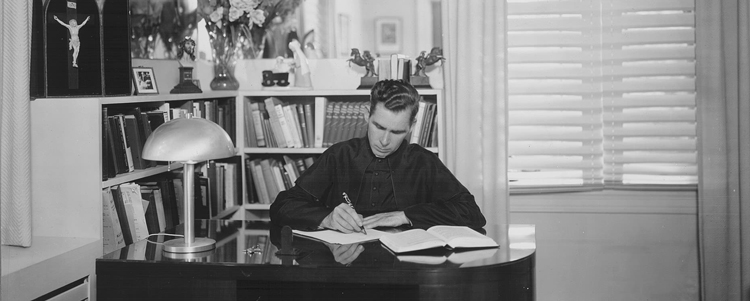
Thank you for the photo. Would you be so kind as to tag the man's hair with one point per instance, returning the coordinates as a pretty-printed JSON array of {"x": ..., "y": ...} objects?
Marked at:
[{"x": 396, "y": 96}]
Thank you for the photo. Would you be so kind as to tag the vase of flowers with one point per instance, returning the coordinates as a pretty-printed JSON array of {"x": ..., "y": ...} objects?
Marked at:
[{"x": 237, "y": 30}]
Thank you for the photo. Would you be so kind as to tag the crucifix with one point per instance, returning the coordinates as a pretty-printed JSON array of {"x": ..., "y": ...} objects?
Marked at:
[{"x": 74, "y": 41}]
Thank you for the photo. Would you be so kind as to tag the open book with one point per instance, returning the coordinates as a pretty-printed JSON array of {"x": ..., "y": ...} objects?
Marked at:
[
  {"x": 460, "y": 257},
  {"x": 453, "y": 237}
]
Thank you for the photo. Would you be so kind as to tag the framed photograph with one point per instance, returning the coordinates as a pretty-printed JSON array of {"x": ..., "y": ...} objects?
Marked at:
[
  {"x": 388, "y": 36},
  {"x": 144, "y": 80}
]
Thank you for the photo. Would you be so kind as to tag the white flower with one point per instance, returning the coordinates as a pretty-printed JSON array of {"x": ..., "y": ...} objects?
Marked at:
[
  {"x": 217, "y": 15},
  {"x": 235, "y": 14},
  {"x": 244, "y": 5},
  {"x": 257, "y": 16}
]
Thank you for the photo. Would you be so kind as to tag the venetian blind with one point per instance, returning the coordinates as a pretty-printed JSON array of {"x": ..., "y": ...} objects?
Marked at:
[{"x": 601, "y": 93}]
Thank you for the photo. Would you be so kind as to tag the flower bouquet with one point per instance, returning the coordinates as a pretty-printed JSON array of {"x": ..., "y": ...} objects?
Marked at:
[{"x": 237, "y": 30}]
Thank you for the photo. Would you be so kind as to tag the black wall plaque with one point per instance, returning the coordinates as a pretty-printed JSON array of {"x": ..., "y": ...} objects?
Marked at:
[
  {"x": 116, "y": 47},
  {"x": 62, "y": 77}
]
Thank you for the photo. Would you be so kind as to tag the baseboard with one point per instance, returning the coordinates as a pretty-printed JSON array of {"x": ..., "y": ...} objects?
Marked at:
[{"x": 608, "y": 202}]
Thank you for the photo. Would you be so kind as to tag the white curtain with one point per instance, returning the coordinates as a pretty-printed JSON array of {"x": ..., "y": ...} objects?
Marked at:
[
  {"x": 474, "y": 37},
  {"x": 15, "y": 126},
  {"x": 723, "y": 57}
]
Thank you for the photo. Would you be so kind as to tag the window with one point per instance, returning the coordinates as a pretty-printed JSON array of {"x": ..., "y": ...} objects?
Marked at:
[{"x": 601, "y": 93}]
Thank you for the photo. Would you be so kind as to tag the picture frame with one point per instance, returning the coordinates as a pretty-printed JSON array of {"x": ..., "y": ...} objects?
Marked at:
[
  {"x": 388, "y": 35},
  {"x": 144, "y": 80}
]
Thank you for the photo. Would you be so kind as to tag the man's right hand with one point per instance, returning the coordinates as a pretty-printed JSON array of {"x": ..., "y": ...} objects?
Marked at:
[{"x": 344, "y": 219}]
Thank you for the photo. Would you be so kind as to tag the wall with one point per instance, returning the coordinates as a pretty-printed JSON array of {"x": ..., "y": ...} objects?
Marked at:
[{"x": 614, "y": 245}]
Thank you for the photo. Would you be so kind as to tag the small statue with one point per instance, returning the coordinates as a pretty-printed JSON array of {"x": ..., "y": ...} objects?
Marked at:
[
  {"x": 301, "y": 66},
  {"x": 75, "y": 42},
  {"x": 419, "y": 68},
  {"x": 187, "y": 46},
  {"x": 436, "y": 55},
  {"x": 420, "y": 79},
  {"x": 186, "y": 56},
  {"x": 365, "y": 60}
]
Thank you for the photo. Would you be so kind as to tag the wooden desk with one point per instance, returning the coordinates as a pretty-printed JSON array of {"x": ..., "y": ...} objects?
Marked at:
[{"x": 142, "y": 271}]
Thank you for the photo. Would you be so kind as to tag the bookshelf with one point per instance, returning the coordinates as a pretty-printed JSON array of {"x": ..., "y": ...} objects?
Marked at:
[
  {"x": 67, "y": 183},
  {"x": 67, "y": 178},
  {"x": 254, "y": 205}
]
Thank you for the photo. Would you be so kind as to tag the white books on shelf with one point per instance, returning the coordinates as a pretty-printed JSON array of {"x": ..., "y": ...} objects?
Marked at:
[
  {"x": 320, "y": 113},
  {"x": 131, "y": 196},
  {"x": 278, "y": 178},
  {"x": 112, "y": 236},
  {"x": 292, "y": 125},
  {"x": 286, "y": 129},
  {"x": 276, "y": 128},
  {"x": 259, "y": 181}
]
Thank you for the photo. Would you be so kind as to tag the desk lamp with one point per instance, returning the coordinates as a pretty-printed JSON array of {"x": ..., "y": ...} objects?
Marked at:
[{"x": 188, "y": 140}]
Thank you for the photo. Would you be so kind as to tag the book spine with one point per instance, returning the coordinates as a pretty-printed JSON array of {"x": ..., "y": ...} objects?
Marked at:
[
  {"x": 285, "y": 126},
  {"x": 310, "y": 132},
  {"x": 257, "y": 124},
  {"x": 320, "y": 120},
  {"x": 416, "y": 130},
  {"x": 302, "y": 125},
  {"x": 275, "y": 123},
  {"x": 250, "y": 136},
  {"x": 128, "y": 153}
]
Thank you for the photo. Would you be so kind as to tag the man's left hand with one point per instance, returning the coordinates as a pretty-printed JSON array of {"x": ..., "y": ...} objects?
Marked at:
[{"x": 387, "y": 219}]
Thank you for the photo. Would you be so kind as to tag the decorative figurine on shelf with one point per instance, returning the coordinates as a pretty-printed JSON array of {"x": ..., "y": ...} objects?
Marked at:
[
  {"x": 186, "y": 55},
  {"x": 75, "y": 42},
  {"x": 279, "y": 75},
  {"x": 420, "y": 79},
  {"x": 301, "y": 66},
  {"x": 366, "y": 60}
]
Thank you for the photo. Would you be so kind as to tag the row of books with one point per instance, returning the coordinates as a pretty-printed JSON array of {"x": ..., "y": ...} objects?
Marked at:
[
  {"x": 425, "y": 128},
  {"x": 133, "y": 211},
  {"x": 125, "y": 130},
  {"x": 274, "y": 123},
  {"x": 269, "y": 176},
  {"x": 396, "y": 66},
  {"x": 224, "y": 190}
]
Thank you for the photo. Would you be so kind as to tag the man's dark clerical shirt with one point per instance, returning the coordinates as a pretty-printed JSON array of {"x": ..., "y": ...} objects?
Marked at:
[{"x": 412, "y": 179}]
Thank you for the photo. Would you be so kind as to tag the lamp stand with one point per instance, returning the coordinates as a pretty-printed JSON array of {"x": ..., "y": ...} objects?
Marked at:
[{"x": 189, "y": 244}]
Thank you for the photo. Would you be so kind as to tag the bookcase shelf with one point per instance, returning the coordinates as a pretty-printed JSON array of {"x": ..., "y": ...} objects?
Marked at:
[
  {"x": 140, "y": 174},
  {"x": 165, "y": 97}
]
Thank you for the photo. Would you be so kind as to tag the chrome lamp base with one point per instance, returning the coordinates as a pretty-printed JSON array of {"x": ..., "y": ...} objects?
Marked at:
[{"x": 201, "y": 244}]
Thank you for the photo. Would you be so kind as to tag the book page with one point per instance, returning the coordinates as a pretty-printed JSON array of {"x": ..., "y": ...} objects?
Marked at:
[
  {"x": 462, "y": 237},
  {"x": 473, "y": 255},
  {"x": 336, "y": 237},
  {"x": 411, "y": 240}
]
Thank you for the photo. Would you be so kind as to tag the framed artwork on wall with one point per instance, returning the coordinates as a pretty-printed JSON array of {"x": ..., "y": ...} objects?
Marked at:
[
  {"x": 144, "y": 80},
  {"x": 388, "y": 35}
]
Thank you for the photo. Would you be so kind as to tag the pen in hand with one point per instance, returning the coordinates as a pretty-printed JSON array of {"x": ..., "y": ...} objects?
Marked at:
[{"x": 349, "y": 202}]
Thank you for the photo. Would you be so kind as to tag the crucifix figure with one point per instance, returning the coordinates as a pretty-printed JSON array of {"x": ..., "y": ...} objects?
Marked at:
[{"x": 75, "y": 42}]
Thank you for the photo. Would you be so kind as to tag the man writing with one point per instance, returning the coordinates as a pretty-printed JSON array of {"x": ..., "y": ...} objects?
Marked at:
[{"x": 390, "y": 182}]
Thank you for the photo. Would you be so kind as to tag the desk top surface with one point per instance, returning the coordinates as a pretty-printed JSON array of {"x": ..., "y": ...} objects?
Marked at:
[{"x": 256, "y": 243}]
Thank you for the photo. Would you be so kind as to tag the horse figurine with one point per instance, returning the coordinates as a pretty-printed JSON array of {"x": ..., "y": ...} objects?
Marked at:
[{"x": 365, "y": 60}]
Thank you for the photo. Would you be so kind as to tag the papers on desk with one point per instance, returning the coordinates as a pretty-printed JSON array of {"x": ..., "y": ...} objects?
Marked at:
[{"x": 336, "y": 237}]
